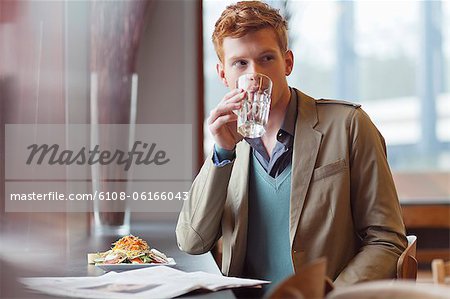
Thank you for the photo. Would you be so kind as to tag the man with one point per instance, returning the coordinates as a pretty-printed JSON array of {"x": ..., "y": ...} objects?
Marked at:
[{"x": 317, "y": 183}]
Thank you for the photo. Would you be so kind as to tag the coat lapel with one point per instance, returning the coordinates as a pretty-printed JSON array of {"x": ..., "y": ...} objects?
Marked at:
[
  {"x": 306, "y": 148},
  {"x": 239, "y": 202}
]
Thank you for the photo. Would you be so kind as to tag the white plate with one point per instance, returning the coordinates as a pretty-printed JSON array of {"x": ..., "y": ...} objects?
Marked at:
[{"x": 122, "y": 267}]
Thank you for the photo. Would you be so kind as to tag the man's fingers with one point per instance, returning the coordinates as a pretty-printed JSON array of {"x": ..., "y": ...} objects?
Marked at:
[
  {"x": 220, "y": 121},
  {"x": 228, "y": 107},
  {"x": 231, "y": 101},
  {"x": 233, "y": 97},
  {"x": 230, "y": 94},
  {"x": 237, "y": 98},
  {"x": 223, "y": 109}
]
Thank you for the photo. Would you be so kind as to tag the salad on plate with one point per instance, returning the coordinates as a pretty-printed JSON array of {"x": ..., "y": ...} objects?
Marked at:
[{"x": 129, "y": 250}]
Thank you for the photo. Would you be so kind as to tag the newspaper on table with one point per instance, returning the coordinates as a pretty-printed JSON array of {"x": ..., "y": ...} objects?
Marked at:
[{"x": 155, "y": 282}]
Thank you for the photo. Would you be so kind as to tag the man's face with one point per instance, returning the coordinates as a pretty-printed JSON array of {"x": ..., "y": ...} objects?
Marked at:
[{"x": 257, "y": 52}]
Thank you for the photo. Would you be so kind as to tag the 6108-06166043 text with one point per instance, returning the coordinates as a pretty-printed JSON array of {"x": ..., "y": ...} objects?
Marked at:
[
  {"x": 100, "y": 195},
  {"x": 52, "y": 155}
]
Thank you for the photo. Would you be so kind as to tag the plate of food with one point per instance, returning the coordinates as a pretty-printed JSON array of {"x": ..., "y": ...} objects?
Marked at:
[{"x": 129, "y": 252}]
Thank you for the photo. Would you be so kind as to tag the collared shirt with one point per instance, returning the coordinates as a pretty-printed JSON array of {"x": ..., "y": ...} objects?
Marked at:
[{"x": 282, "y": 152}]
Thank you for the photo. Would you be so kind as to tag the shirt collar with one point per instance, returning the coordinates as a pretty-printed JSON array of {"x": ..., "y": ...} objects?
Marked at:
[
  {"x": 291, "y": 114},
  {"x": 288, "y": 125}
]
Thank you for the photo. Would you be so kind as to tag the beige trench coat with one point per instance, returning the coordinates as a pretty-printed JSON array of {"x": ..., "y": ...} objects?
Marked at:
[{"x": 343, "y": 203}]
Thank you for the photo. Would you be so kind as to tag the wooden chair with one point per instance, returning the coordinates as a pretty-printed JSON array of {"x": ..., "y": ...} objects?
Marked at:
[
  {"x": 311, "y": 282},
  {"x": 440, "y": 271},
  {"x": 407, "y": 263}
]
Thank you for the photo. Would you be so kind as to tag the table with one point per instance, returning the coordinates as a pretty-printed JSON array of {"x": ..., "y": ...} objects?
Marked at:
[
  {"x": 160, "y": 236},
  {"x": 429, "y": 219}
]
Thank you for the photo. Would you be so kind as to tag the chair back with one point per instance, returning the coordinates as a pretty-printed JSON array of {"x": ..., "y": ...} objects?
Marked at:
[
  {"x": 407, "y": 263},
  {"x": 440, "y": 271},
  {"x": 308, "y": 283}
]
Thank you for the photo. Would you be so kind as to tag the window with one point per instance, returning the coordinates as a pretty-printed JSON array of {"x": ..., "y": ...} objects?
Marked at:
[{"x": 392, "y": 57}]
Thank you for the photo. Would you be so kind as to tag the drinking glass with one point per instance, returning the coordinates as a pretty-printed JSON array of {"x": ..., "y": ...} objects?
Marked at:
[{"x": 253, "y": 116}]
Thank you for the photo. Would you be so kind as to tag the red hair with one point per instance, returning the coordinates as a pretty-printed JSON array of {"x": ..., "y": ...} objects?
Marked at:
[{"x": 245, "y": 17}]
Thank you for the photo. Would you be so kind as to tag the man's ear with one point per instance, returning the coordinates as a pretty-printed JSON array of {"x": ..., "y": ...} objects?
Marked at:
[
  {"x": 221, "y": 73},
  {"x": 289, "y": 62}
]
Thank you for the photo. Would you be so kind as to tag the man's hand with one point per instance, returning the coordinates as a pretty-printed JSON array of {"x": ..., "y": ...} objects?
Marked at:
[{"x": 222, "y": 121}]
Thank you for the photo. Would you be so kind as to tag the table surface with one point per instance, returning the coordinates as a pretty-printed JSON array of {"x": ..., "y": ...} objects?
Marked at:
[
  {"x": 159, "y": 236},
  {"x": 444, "y": 201}
]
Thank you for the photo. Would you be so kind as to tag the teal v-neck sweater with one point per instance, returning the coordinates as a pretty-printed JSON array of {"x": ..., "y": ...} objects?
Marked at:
[{"x": 268, "y": 254}]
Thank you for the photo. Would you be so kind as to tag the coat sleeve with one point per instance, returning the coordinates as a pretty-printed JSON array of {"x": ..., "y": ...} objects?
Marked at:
[
  {"x": 198, "y": 226},
  {"x": 375, "y": 207}
]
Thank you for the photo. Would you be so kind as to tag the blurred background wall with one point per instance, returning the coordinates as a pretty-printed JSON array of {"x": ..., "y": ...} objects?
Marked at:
[{"x": 48, "y": 53}]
